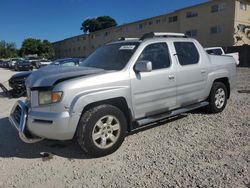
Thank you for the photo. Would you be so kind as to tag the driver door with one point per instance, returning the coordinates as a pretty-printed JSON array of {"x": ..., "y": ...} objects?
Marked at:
[{"x": 154, "y": 92}]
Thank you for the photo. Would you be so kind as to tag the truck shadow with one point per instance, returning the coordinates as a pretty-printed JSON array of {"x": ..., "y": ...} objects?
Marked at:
[{"x": 12, "y": 146}]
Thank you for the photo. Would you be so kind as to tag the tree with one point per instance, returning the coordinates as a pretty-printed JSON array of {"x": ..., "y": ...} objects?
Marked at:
[
  {"x": 45, "y": 49},
  {"x": 35, "y": 46},
  {"x": 99, "y": 23},
  {"x": 30, "y": 46},
  {"x": 7, "y": 50}
]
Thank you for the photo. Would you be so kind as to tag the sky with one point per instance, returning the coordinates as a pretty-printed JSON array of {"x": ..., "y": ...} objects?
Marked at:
[{"x": 59, "y": 19}]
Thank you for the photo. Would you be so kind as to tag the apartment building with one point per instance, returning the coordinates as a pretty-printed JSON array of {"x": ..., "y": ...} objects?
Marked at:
[{"x": 214, "y": 23}]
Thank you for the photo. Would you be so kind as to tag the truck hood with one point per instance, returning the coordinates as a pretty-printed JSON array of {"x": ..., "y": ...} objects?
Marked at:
[{"x": 51, "y": 75}]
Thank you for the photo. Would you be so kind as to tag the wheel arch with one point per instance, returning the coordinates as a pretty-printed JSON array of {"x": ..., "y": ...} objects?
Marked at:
[
  {"x": 119, "y": 102},
  {"x": 225, "y": 81}
]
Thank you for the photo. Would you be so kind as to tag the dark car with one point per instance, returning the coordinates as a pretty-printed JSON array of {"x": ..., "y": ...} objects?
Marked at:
[
  {"x": 23, "y": 65},
  {"x": 34, "y": 61},
  {"x": 5, "y": 64},
  {"x": 17, "y": 83}
]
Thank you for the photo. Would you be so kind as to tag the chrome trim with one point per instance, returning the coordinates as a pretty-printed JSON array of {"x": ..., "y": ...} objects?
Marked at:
[{"x": 22, "y": 124}]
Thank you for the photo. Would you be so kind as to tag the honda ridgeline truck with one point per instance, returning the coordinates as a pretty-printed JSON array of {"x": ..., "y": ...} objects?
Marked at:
[{"x": 121, "y": 87}]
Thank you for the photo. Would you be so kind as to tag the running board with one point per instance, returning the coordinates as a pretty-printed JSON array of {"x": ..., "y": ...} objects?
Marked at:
[{"x": 160, "y": 117}]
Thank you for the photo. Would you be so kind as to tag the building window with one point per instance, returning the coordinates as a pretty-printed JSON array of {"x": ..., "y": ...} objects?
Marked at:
[
  {"x": 218, "y": 7},
  {"x": 216, "y": 29},
  {"x": 140, "y": 26},
  {"x": 150, "y": 23},
  {"x": 191, "y": 14},
  {"x": 173, "y": 19},
  {"x": 158, "y": 21},
  {"x": 106, "y": 34},
  {"x": 192, "y": 33},
  {"x": 79, "y": 48},
  {"x": 83, "y": 38},
  {"x": 243, "y": 6}
]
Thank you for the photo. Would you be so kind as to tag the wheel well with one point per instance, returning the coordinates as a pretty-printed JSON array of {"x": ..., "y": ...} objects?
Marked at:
[
  {"x": 119, "y": 102},
  {"x": 226, "y": 83}
]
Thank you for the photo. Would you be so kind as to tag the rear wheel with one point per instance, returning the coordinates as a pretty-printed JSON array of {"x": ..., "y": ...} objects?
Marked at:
[
  {"x": 16, "y": 68},
  {"x": 101, "y": 130},
  {"x": 218, "y": 98}
]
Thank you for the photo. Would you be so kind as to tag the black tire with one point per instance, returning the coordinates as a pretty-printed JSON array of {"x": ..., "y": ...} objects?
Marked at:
[
  {"x": 88, "y": 123},
  {"x": 37, "y": 65},
  {"x": 213, "y": 107}
]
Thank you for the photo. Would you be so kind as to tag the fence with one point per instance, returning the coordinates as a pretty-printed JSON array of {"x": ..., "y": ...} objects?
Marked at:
[{"x": 244, "y": 54}]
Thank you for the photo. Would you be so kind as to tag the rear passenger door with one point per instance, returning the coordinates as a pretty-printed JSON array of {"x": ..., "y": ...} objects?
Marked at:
[
  {"x": 154, "y": 92},
  {"x": 191, "y": 74}
]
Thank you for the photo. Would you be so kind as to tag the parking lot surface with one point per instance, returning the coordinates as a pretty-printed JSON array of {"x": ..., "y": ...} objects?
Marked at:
[{"x": 195, "y": 149}]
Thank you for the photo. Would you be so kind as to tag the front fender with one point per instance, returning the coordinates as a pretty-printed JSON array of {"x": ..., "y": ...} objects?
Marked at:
[{"x": 85, "y": 98}]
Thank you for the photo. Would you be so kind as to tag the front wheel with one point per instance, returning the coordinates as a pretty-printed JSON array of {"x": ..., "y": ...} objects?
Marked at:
[
  {"x": 101, "y": 130},
  {"x": 218, "y": 98}
]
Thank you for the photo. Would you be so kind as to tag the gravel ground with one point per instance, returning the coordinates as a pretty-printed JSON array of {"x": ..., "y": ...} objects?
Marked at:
[{"x": 193, "y": 150}]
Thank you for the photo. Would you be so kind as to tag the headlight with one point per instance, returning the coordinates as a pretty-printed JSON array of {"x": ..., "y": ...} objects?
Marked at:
[{"x": 49, "y": 97}]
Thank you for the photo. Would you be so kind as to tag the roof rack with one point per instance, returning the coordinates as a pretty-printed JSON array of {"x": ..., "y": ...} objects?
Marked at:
[
  {"x": 166, "y": 35},
  {"x": 123, "y": 38}
]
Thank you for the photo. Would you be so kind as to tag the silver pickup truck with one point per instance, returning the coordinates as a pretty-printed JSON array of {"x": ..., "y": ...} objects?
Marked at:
[{"x": 121, "y": 87}]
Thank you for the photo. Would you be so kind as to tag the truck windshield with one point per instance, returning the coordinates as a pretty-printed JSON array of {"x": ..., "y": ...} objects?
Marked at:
[{"x": 111, "y": 56}]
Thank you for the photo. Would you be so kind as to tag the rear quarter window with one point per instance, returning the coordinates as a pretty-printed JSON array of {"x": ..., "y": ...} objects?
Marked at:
[
  {"x": 215, "y": 52},
  {"x": 187, "y": 53}
]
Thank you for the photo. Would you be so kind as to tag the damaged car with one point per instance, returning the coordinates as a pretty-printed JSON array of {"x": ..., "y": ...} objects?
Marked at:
[
  {"x": 123, "y": 86},
  {"x": 23, "y": 65},
  {"x": 17, "y": 83}
]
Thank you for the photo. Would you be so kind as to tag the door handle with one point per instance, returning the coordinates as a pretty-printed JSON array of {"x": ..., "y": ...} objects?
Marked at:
[
  {"x": 171, "y": 77},
  {"x": 203, "y": 71}
]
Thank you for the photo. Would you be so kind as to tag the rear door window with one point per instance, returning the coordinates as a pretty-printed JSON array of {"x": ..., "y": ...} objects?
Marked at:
[
  {"x": 215, "y": 51},
  {"x": 187, "y": 53}
]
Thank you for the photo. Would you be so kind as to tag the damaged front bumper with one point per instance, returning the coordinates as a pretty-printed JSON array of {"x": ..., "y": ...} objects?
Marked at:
[{"x": 18, "y": 118}]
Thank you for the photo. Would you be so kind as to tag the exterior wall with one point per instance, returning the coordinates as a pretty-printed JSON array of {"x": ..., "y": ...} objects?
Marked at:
[
  {"x": 207, "y": 19},
  {"x": 225, "y": 20}
]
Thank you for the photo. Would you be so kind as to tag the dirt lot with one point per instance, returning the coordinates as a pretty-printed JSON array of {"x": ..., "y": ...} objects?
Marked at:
[{"x": 193, "y": 150}]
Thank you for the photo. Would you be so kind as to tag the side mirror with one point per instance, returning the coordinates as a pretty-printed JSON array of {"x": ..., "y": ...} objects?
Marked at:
[{"x": 143, "y": 66}]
